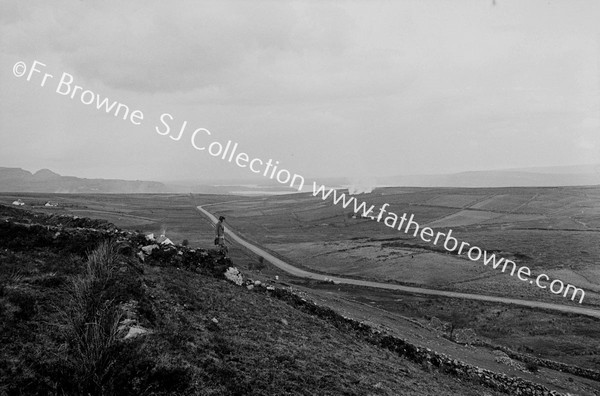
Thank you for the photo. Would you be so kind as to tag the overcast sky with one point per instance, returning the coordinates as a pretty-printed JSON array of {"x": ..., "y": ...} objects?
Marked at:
[{"x": 357, "y": 88}]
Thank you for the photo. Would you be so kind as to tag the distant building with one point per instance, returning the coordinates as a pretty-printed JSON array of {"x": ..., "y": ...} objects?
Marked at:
[
  {"x": 18, "y": 202},
  {"x": 360, "y": 216},
  {"x": 51, "y": 204}
]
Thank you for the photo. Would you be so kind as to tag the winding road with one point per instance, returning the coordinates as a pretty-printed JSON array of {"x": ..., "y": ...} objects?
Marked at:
[{"x": 432, "y": 292}]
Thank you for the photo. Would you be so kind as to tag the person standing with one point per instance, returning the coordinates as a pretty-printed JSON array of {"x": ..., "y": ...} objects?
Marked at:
[{"x": 220, "y": 235}]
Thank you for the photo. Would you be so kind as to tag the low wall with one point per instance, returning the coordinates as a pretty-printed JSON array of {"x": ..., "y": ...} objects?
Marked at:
[{"x": 425, "y": 356}]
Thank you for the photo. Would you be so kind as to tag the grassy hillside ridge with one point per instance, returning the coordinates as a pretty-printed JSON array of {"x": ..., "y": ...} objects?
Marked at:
[{"x": 72, "y": 300}]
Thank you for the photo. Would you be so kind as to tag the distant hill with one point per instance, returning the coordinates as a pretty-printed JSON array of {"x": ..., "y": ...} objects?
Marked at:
[
  {"x": 579, "y": 175},
  {"x": 44, "y": 180},
  {"x": 47, "y": 181}
]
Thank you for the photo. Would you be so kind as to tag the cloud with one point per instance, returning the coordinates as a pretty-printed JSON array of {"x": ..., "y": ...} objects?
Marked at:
[
  {"x": 590, "y": 123},
  {"x": 405, "y": 86},
  {"x": 210, "y": 52},
  {"x": 158, "y": 47}
]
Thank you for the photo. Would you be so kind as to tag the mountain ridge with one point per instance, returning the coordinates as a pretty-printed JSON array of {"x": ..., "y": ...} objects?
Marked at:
[
  {"x": 555, "y": 176},
  {"x": 45, "y": 180}
]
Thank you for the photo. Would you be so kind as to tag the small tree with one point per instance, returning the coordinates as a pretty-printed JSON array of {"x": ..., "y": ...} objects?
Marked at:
[
  {"x": 261, "y": 263},
  {"x": 459, "y": 320},
  {"x": 185, "y": 242}
]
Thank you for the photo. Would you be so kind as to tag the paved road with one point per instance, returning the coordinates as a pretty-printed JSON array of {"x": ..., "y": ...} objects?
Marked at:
[{"x": 311, "y": 275}]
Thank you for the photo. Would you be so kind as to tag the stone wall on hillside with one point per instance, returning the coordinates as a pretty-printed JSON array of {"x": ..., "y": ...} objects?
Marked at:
[{"x": 425, "y": 356}]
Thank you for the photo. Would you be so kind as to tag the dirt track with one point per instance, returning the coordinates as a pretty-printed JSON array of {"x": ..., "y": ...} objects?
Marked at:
[{"x": 311, "y": 275}]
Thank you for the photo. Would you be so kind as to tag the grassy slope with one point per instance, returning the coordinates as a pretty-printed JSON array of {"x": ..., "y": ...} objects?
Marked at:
[
  {"x": 254, "y": 345},
  {"x": 263, "y": 346}
]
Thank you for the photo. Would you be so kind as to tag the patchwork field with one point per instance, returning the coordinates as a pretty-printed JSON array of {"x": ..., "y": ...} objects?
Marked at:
[{"x": 555, "y": 231}]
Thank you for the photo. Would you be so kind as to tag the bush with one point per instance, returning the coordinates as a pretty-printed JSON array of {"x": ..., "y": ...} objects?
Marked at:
[
  {"x": 93, "y": 349},
  {"x": 102, "y": 261},
  {"x": 532, "y": 366},
  {"x": 90, "y": 323},
  {"x": 261, "y": 263}
]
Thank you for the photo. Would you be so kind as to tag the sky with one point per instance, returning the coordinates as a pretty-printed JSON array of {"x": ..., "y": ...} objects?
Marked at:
[{"x": 359, "y": 89}]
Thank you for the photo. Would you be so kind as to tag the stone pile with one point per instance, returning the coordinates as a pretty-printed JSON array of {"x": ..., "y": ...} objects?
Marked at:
[
  {"x": 501, "y": 357},
  {"x": 128, "y": 325},
  {"x": 466, "y": 336},
  {"x": 557, "y": 366}
]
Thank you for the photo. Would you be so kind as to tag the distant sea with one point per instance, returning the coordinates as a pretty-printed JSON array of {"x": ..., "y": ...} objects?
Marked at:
[{"x": 257, "y": 190}]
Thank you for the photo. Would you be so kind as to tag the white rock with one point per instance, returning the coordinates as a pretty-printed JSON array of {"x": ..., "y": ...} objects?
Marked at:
[
  {"x": 135, "y": 331},
  {"x": 148, "y": 249},
  {"x": 125, "y": 323},
  {"x": 233, "y": 274}
]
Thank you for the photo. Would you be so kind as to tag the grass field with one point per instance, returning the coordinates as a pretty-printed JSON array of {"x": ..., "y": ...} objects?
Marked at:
[{"x": 551, "y": 230}]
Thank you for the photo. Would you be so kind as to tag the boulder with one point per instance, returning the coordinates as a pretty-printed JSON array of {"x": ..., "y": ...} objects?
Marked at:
[
  {"x": 149, "y": 248},
  {"x": 136, "y": 331},
  {"x": 233, "y": 275}
]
